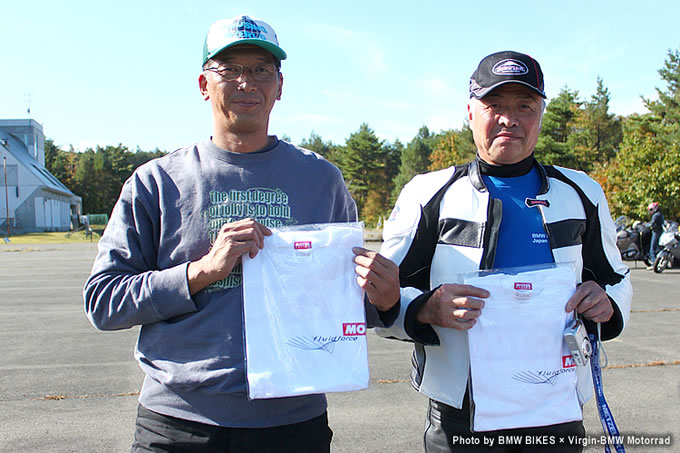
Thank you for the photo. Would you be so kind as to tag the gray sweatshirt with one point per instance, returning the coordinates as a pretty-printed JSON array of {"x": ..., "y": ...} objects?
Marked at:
[{"x": 168, "y": 214}]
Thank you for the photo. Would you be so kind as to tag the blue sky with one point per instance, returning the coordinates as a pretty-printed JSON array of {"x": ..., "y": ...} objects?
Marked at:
[{"x": 104, "y": 72}]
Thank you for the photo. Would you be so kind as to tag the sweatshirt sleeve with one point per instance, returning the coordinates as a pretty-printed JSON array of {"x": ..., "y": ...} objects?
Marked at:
[
  {"x": 344, "y": 207},
  {"x": 126, "y": 288}
]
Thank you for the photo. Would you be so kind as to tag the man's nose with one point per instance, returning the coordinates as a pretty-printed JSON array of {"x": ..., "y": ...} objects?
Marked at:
[
  {"x": 246, "y": 81},
  {"x": 507, "y": 118}
]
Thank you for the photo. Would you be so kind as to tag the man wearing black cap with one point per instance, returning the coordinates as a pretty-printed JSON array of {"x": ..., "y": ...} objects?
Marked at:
[
  {"x": 169, "y": 260},
  {"x": 502, "y": 210}
]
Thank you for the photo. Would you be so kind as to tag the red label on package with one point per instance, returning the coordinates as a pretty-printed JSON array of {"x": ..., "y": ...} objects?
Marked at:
[{"x": 303, "y": 245}]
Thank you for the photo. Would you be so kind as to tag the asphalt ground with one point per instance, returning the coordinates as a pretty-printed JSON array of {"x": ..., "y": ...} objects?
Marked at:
[{"x": 66, "y": 387}]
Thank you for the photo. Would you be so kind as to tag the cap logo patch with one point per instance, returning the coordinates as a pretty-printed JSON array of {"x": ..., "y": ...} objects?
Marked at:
[
  {"x": 510, "y": 67},
  {"x": 248, "y": 29}
]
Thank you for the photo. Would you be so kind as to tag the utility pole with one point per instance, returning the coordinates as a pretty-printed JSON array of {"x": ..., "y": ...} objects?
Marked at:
[{"x": 4, "y": 166}]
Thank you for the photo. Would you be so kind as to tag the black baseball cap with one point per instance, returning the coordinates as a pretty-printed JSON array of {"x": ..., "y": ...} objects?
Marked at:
[{"x": 506, "y": 67}]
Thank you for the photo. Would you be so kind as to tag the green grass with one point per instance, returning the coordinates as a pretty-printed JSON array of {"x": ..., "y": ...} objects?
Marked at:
[{"x": 52, "y": 238}]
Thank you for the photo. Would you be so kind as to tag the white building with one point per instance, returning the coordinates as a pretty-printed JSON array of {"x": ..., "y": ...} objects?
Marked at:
[{"x": 37, "y": 201}]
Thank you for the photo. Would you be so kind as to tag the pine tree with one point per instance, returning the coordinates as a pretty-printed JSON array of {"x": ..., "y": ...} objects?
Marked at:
[
  {"x": 319, "y": 145},
  {"x": 596, "y": 133},
  {"x": 362, "y": 160},
  {"x": 60, "y": 163},
  {"x": 666, "y": 109},
  {"x": 415, "y": 159},
  {"x": 558, "y": 120},
  {"x": 647, "y": 167}
]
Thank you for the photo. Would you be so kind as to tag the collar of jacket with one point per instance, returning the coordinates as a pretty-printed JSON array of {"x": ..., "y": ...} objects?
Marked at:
[{"x": 479, "y": 167}]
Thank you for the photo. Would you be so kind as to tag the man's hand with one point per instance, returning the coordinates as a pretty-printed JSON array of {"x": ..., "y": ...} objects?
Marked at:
[
  {"x": 591, "y": 301},
  {"x": 378, "y": 276},
  {"x": 453, "y": 306},
  {"x": 233, "y": 240}
]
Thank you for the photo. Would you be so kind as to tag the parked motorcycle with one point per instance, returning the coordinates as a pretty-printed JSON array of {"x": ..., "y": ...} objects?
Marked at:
[
  {"x": 633, "y": 241},
  {"x": 669, "y": 243}
]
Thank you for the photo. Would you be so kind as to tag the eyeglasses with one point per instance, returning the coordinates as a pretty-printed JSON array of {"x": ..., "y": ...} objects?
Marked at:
[{"x": 264, "y": 72}]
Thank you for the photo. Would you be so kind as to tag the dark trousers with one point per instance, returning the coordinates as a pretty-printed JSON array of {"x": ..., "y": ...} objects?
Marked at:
[
  {"x": 160, "y": 433},
  {"x": 654, "y": 245},
  {"x": 447, "y": 430}
]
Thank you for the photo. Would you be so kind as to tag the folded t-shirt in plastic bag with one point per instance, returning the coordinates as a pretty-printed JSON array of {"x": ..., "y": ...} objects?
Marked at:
[
  {"x": 305, "y": 324},
  {"x": 521, "y": 369}
]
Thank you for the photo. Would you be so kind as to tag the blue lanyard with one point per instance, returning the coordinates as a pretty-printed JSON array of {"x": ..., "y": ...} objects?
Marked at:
[{"x": 606, "y": 416}]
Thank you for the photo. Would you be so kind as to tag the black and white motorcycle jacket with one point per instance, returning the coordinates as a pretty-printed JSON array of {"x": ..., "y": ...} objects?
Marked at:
[{"x": 445, "y": 223}]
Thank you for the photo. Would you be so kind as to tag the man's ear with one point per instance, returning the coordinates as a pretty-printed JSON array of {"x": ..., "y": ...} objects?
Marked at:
[
  {"x": 278, "y": 96},
  {"x": 469, "y": 112},
  {"x": 203, "y": 86}
]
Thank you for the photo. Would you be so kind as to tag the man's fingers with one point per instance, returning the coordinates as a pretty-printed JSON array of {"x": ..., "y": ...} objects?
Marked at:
[
  {"x": 360, "y": 251},
  {"x": 600, "y": 312},
  {"x": 366, "y": 257},
  {"x": 468, "y": 303},
  {"x": 254, "y": 249},
  {"x": 453, "y": 290},
  {"x": 243, "y": 231},
  {"x": 265, "y": 230},
  {"x": 379, "y": 277},
  {"x": 375, "y": 268},
  {"x": 575, "y": 299},
  {"x": 461, "y": 296},
  {"x": 370, "y": 288},
  {"x": 457, "y": 312},
  {"x": 466, "y": 314},
  {"x": 462, "y": 318},
  {"x": 592, "y": 302},
  {"x": 374, "y": 261},
  {"x": 465, "y": 324},
  {"x": 262, "y": 231}
]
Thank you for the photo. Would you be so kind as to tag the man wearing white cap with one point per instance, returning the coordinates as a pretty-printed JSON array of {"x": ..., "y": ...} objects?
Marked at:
[
  {"x": 169, "y": 260},
  {"x": 504, "y": 210}
]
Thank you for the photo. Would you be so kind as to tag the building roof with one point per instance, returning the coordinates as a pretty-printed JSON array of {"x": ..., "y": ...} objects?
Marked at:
[{"x": 17, "y": 149}]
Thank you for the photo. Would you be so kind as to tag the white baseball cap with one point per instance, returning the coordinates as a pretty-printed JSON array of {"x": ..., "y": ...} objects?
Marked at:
[{"x": 241, "y": 29}]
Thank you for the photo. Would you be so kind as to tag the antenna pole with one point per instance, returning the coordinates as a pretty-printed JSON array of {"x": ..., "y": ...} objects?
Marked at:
[{"x": 29, "y": 105}]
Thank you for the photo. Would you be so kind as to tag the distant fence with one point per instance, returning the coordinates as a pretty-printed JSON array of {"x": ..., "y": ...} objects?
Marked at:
[{"x": 98, "y": 219}]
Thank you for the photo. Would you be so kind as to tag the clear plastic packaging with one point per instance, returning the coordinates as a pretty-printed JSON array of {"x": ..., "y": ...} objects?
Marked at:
[
  {"x": 522, "y": 373},
  {"x": 305, "y": 324}
]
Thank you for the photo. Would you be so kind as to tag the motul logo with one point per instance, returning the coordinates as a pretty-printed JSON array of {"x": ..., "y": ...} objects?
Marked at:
[
  {"x": 568, "y": 361},
  {"x": 520, "y": 286},
  {"x": 303, "y": 245},
  {"x": 353, "y": 328}
]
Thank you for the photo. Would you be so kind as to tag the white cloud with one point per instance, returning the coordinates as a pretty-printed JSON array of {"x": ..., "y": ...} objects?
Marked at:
[
  {"x": 399, "y": 105},
  {"x": 343, "y": 96},
  {"x": 310, "y": 119},
  {"x": 364, "y": 49},
  {"x": 629, "y": 105},
  {"x": 83, "y": 145},
  {"x": 437, "y": 87},
  {"x": 444, "y": 120}
]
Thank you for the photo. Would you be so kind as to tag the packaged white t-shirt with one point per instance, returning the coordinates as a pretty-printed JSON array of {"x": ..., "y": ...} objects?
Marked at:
[
  {"x": 305, "y": 322},
  {"x": 522, "y": 373}
]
